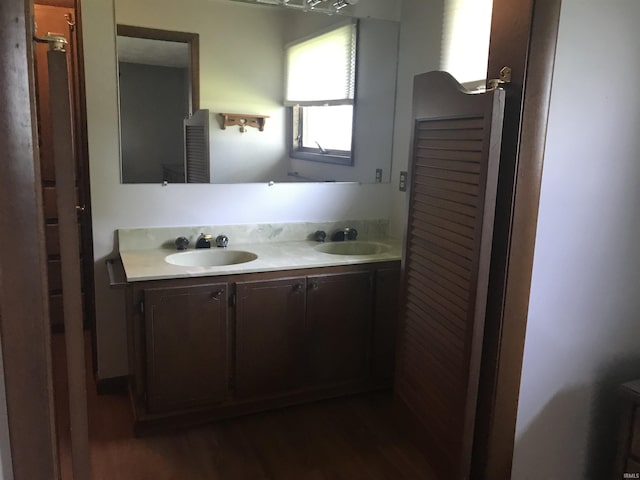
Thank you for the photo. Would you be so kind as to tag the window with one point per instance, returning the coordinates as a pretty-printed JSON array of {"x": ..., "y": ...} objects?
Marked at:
[
  {"x": 320, "y": 94},
  {"x": 465, "y": 40}
]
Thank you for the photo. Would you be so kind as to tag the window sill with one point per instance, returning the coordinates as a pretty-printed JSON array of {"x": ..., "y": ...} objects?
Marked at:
[{"x": 333, "y": 159}]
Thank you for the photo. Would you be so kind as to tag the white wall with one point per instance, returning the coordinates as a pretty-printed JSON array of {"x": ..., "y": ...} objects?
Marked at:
[
  {"x": 119, "y": 206},
  {"x": 420, "y": 39},
  {"x": 584, "y": 314}
]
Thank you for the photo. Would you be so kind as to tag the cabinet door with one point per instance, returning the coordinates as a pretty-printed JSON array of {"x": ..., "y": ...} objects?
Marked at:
[
  {"x": 269, "y": 336},
  {"x": 338, "y": 327},
  {"x": 387, "y": 291},
  {"x": 186, "y": 336}
]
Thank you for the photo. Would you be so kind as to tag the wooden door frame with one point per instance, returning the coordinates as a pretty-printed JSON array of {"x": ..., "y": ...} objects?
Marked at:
[
  {"x": 524, "y": 36},
  {"x": 24, "y": 315}
]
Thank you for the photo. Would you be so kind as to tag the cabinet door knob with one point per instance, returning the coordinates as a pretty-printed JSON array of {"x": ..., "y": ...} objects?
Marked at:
[
  {"x": 217, "y": 294},
  {"x": 297, "y": 287},
  {"x": 313, "y": 286}
]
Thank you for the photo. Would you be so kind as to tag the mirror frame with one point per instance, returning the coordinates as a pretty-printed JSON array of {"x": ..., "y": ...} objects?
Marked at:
[{"x": 192, "y": 39}]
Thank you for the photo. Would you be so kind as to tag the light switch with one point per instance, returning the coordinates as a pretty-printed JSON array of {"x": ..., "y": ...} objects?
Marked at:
[{"x": 403, "y": 182}]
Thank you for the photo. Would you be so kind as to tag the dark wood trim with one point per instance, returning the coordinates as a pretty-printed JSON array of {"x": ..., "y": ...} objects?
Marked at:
[
  {"x": 82, "y": 158},
  {"x": 65, "y": 175},
  {"x": 112, "y": 386},
  {"x": 529, "y": 49},
  {"x": 193, "y": 39},
  {"x": 84, "y": 184},
  {"x": 56, "y": 3},
  {"x": 24, "y": 321}
]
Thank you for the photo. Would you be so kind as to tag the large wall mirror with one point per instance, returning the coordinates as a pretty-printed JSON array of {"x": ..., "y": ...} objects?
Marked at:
[
  {"x": 159, "y": 91},
  {"x": 243, "y": 70}
]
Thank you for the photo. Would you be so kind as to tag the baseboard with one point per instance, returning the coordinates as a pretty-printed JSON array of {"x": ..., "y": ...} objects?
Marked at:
[{"x": 112, "y": 386}]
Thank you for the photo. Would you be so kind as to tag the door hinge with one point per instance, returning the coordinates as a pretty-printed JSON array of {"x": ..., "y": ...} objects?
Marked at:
[
  {"x": 232, "y": 300},
  {"x": 504, "y": 78}
]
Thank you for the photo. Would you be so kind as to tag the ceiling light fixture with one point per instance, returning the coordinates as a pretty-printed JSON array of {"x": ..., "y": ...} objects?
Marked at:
[{"x": 329, "y": 7}]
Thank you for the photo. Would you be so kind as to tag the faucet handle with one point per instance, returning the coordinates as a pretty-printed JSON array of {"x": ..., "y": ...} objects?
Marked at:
[
  {"x": 320, "y": 236},
  {"x": 351, "y": 233},
  {"x": 181, "y": 243},
  {"x": 222, "y": 241}
]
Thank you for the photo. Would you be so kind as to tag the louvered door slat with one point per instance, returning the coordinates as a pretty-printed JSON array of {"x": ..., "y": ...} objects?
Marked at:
[
  {"x": 453, "y": 181},
  {"x": 451, "y": 134},
  {"x": 433, "y": 367},
  {"x": 458, "y": 202},
  {"x": 434, "y": 372},
  {"x": 441, "y": 407},
  {"x": 450, "y": 205},
  {"x": 437, "y": 326},
  {"x": 462, "y": 123},
  {"x": 454, "y": 165},
  {"x": 445, "y": 223},
  {"x": 442, "y": 174},
  {"x": 424, "y": 153},
  {"x": 445, "y": 257},
  {"x": 423, "y": 266},
  {"x": 450, "y": 328},
  {"x": 446, "y": 185},
  {"x": 437, "y": 211},
  {"x": 427, "y": 275}
]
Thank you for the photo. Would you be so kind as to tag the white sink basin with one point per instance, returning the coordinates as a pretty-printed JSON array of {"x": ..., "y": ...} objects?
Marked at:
[
  {"x": 215, "y": 257},
  {"x": 350, "y": 247}
]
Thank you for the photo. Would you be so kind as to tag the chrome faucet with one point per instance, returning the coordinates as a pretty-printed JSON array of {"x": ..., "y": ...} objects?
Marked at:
[
  {"x": 204, "y": 241},
  {"x": 347, "y": 233}
]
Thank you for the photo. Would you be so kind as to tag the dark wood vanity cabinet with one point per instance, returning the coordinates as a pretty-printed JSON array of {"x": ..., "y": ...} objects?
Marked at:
[
  {"x": 269, "y": 340},
  {"x": 302, "y": 332},
  {"x": 387, "y": 292},
  {"x": 203, "y": 349},
  {"x": 186, "y": 339},
  {"x": 339, "y": 324}
]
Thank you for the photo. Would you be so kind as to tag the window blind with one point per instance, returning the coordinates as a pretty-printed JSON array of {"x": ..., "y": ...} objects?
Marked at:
[
  {"x": 465, "y": 39},
  {"x": 321, "y": 70}
]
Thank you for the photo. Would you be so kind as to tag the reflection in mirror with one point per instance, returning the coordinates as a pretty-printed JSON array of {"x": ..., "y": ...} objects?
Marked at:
[
  {"x": 158, "y": 86},
  {"x": 243, "y": 71}
]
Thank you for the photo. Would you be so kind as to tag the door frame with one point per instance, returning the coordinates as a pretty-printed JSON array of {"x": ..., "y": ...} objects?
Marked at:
[
  {"x": 24, "y": 310},
  {"x": 523, "y": 36},
  {"x": 23, "y": 302}
]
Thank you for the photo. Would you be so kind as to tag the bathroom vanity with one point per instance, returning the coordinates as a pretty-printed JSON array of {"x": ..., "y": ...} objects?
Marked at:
[{"x": 292, "y": 325}]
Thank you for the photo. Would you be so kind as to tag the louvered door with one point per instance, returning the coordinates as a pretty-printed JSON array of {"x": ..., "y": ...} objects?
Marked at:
[
  {"x": 453, "y": 178},
  {"x": 196, "y": 147}
]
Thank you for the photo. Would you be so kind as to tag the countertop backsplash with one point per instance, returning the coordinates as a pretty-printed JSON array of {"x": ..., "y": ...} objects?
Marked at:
[{"x": 164, "y": 237}]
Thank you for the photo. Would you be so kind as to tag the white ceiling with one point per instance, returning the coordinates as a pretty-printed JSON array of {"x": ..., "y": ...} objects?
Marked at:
[{"x": 153, "y": 52}]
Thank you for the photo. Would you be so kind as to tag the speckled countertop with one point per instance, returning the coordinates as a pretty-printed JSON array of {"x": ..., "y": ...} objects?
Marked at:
[
  {"x": 150, "y": 264},
  {"x": 277, "y": 246}
]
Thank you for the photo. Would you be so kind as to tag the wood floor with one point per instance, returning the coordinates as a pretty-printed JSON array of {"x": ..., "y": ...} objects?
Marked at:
[{"x": 350, "y": 438}]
